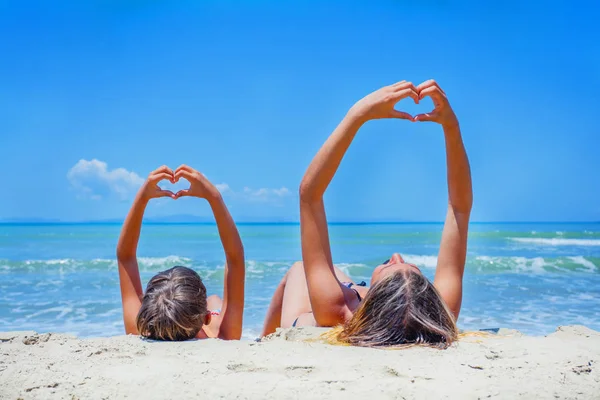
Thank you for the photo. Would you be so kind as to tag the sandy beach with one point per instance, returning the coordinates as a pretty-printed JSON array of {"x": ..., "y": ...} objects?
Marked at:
[{"x": 289, "y": 365}]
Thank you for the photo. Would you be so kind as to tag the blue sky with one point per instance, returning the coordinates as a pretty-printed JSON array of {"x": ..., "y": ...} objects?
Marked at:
[{"x": 246, "y": 92}]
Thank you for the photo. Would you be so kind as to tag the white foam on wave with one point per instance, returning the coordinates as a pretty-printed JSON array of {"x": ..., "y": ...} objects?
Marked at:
[
  {"x": 266, "y": 267},
  {"x": 60, "y": 261},
  {"x": 250, "y": 333},
  {"x": 585, "y": 263},
  {"x": 102, "y": 260},
  {"x": 153, "y": 261},
  {"x": 535, "y": 264},
  {"x": 49, "y": 283},
  {"x": 60, "y": 310},
  {"x": 558, "y": 241},
  {"x": 345, "y": 267},
  {"x": 516, "y": 264},
  {"x": 253, "y": 267},
  {"x": 420, "y": 260}
]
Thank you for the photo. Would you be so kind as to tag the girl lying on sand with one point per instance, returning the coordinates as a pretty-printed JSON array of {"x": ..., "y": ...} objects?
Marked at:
[
  {"x": 175, "y": 305},
  {"x": 401, "y": 307}
]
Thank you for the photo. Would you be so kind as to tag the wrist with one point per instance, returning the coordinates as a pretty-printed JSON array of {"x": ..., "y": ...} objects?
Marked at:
[
  {"x": 142, "y": 197},
  {"x": 451, "y": 125},
  {"x": 356, "y": 116},
  {"x": 214, "y": 197}
]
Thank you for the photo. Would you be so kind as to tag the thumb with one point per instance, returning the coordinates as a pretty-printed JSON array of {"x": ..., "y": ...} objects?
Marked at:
[
  {"x": 165, "y": 193},
  {"x": 400, "y": 115},
  {"x": 425, "y": 117},
  {"x": 182, "y": 193}
]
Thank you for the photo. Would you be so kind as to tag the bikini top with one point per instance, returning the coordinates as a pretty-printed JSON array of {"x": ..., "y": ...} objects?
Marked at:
[{"x": 350, "y": 284}]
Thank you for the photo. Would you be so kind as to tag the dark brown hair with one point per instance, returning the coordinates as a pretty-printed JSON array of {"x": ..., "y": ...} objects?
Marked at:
[
  {"x": 174, "y": 305},
  {"x": 401, "y": 310}
]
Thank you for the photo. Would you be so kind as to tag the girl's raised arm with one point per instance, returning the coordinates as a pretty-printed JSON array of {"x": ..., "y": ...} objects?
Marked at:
[
  {"x": 327, "y": 296},
  {"x": 129, "y": 274},
  {"x": 453, "y": 247},
  {"x": 233, "y": 293}
]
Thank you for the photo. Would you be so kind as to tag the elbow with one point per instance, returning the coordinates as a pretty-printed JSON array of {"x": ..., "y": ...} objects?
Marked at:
[
  {"x": 463, "y": 205},
  {"x": 468, "y": 202},
  {"x": 307, "y": 191},
  {"x": 120, "y": 253},
  {"x": 235, "y": 334},
  {"x": 131, "y": 327},
  {"x": 124, "y": 255},
  {"x": 327, "y": 320}
]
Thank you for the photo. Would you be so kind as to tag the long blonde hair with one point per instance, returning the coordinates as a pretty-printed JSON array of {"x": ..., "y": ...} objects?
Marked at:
[{"x": 402, "y": 309}]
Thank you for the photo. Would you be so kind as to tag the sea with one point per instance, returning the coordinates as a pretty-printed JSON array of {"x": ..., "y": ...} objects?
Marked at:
[{"x": 532, "y": 277}]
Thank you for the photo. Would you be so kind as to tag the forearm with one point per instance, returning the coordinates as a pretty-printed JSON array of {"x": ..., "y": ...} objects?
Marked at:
[
  {"x": 233, "y": 293},
  {"x": 323, "y": 167},
  {"x": 460, "y": 192},
  {"x": 228, "y": 232},
  {"x": 130, "y": 234}
]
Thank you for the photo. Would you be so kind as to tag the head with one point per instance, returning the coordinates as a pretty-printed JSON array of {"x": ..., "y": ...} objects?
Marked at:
[
  {"x": 402, "y": 308},
  {"x": 174, "y": 306}
]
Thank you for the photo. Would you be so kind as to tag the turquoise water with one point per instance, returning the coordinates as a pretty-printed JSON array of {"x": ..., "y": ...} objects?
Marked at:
[{"x": 531, "y": 277}]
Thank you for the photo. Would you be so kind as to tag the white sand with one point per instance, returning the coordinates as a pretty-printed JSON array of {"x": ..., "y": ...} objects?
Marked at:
[{"x": 565, "y": 364}]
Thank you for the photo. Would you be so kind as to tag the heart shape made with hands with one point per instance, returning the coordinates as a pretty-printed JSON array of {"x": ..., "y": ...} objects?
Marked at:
[
  {"x": 157, "y": 184},
  {"x": 174, "y": 186},
  {"x": 167, "y": 183},
  {"x": 413, "y": 108},
  {"x": 428, "y": 91}
]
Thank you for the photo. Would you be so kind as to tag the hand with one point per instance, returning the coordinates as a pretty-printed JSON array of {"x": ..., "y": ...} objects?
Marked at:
[
  {"x": 381, "y": 103},
  {"x": 442, "y": 113},
  {"x": 199, "y": 185},
  {"x": 150, "y": 189}
]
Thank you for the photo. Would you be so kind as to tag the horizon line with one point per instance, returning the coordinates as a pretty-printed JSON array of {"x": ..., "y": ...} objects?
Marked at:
[{"x": 275, "y": 222}]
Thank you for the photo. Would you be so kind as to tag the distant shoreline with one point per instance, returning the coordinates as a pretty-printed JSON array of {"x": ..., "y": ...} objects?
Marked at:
[{"x": 293, "y": 223}]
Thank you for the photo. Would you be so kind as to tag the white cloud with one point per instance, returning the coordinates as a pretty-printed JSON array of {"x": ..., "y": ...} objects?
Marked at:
[
  {"x": 265, "y": 194},
  {"x": 223, "y": 188},
  {"x": 92, "y": 179}
]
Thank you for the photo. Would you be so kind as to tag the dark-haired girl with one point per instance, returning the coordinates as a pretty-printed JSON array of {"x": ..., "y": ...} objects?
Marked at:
[{"x": 175, "y": 305}]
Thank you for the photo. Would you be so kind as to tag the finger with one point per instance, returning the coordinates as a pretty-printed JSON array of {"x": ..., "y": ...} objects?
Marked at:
[
  {"x": 164, "y": 168},
  {"x": 405, "y": 85},
  {"x": 425, "y": 117},
  {"x": 182, "y": 173},
  {"x": 162, "y": 176},
  {"x": 182, "y": 193},
  {"x": 428, "y": 84},
  {"x": 395, "y": 85},
  {"x": 400, "y": 115},
  {"x": 434, "y": 92},
  {"x": 409, "y": 86},
  {"x": 184, "y": 167},
  {"x": 165, "y": 193},
  {"x": 402, "y": 94}
]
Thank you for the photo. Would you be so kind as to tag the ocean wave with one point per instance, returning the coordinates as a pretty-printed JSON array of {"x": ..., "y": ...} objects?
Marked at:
[
  {"x": 498, "y": 264},
  {"x": 275, "y": 269},
  {"x": 421, "y": 261},
  {"x": 492, "y": 264},
  {"x": 160, "y": 261},
  {"x": 558, "y": 241},
  {"x": 67, "y": 265}
]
